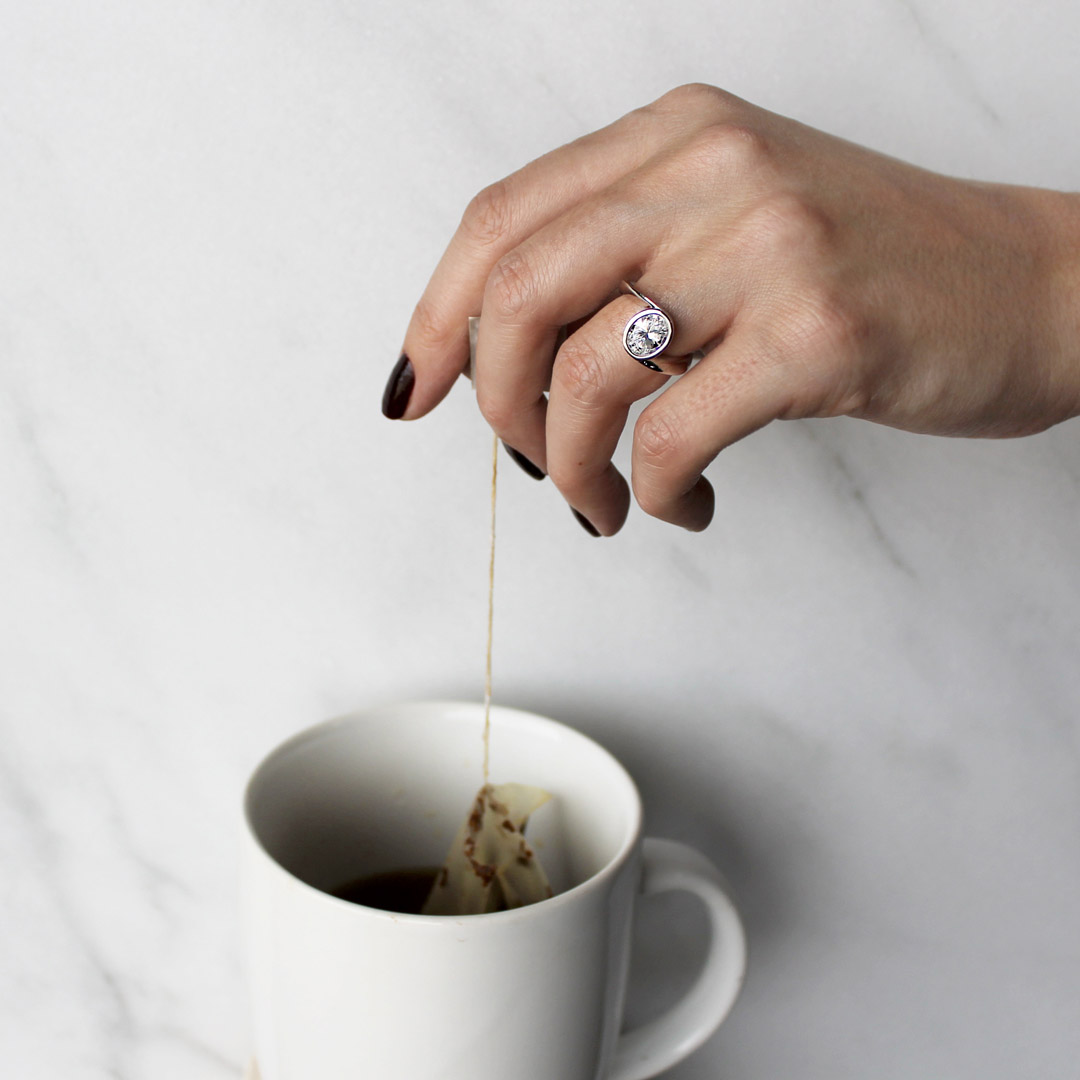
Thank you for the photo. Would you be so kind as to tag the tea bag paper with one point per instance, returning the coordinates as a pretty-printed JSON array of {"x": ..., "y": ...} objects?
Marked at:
[{"x": 490, "y": 865}]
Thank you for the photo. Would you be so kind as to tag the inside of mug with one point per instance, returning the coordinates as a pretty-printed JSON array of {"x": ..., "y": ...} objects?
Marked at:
[{"x": 387, "y": 789}]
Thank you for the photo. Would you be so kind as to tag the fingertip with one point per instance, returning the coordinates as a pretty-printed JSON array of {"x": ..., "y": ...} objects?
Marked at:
[
  {"x": 437, "y": 351},
  {"x": 620, "y": 504},
  {"x": 524, "y": 463},
  {"x": 399, "y": 388},
  {"x": 692, "y": 510},
  {"x": 606, "y": 511},
  {"x": 697, "y": 507},
  {"x": 585, "y": 523}
]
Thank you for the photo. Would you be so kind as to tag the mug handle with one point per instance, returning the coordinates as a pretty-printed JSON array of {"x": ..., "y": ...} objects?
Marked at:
[{"x": 669, "y": 866}]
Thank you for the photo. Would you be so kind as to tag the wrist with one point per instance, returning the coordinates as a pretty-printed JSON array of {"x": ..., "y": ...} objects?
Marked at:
[{"x": 1060, "y": 234}]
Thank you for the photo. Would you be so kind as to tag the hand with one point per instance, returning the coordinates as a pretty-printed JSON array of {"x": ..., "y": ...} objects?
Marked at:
[{"x": 818, "y": 277}]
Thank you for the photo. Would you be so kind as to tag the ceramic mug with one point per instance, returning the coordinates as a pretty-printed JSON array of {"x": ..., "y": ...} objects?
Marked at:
[{"x": 340, "y": 991}]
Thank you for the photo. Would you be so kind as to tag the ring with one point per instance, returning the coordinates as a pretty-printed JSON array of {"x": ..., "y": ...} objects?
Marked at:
[{"x": 647, "y": 333}]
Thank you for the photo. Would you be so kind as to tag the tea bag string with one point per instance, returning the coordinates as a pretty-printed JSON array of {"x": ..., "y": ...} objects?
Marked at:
[
  {"x": 491, "y": 609},
  {"x": 474, "y": 329}
]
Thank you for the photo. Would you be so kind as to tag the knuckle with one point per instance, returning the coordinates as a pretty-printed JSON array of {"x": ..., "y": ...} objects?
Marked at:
[
  {"x": 497, "y": 411},
  {"x": 489, "y": 215},
  {"x": 640, "y": 121},
  {"x": 514, "y": 287},
  {"x": 729, "y": 146},
  {"x": 825, "y": 325},
  {"x": 657, "y": 438},
  {"x": 694, "y": 95},
  {"x": 787, "y": 223},
  {"x": 428, "y": 330},
  {"x": 580, "y": 369}
]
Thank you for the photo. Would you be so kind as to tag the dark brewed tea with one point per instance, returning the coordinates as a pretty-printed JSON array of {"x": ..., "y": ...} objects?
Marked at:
[{"x": 403, "y": 891}]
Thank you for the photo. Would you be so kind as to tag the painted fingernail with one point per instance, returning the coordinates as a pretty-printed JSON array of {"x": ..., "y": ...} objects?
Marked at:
[
  {"x": 395, "y": 399},
  {"x": 526, "y": 465},
  {"x": 586, "y": 524}
]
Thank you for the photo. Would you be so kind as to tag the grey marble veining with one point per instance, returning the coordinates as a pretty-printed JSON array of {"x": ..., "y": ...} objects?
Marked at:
[{"x": 860, "y": 692}]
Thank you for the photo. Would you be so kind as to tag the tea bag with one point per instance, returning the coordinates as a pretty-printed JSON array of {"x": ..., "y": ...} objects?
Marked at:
[{"x": 490, "y": 866}]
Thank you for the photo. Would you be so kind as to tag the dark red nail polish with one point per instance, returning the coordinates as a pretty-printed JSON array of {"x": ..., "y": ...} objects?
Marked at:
[
  {"x": 526, "y": 465},
  {"x": 398, "y": 389},
  {"x": 586, "y": 524}
]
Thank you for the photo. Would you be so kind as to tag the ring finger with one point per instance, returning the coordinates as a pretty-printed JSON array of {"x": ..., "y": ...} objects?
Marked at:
[
  {"x": 593, "y": 384},
  {"x": 545, "y": 283}
]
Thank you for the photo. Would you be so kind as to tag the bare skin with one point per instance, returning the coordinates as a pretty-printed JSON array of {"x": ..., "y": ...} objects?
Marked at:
[{"x": 818, "y": 278}]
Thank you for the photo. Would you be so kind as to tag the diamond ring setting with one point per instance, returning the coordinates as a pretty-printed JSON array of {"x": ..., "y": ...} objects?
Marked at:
[{"x": 648, "y": 332}]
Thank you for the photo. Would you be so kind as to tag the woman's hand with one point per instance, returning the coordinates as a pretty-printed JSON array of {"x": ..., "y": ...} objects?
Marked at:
[{"x": 818, "y": 277}]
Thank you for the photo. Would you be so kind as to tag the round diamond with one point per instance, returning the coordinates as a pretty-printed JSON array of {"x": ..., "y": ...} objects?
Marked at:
[{"x": 648, "y": 334}]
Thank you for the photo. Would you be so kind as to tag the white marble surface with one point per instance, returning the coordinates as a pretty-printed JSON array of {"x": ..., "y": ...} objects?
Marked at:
[{"x": 858, "y": 691}]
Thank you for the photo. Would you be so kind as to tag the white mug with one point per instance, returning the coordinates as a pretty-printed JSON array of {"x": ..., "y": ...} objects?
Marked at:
[{"x": 340, "y": 991}]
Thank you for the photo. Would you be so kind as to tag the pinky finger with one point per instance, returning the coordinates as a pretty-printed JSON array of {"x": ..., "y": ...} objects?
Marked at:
[{"x": 738, "y": 388}]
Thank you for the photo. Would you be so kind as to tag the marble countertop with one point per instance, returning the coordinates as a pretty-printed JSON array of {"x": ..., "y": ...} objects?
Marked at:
[{"x": 860, "y": 691}]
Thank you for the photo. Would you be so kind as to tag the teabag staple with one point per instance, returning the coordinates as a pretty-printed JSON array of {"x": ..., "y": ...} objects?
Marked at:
[{"x": 491, "y": 866}]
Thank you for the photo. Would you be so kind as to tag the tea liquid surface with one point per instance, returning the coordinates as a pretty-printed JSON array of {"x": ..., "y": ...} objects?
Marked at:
[{"x": 403, "y": 891}]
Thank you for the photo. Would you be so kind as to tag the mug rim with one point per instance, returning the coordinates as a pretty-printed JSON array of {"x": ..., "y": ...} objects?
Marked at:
[{"x": 610, "y": 868}]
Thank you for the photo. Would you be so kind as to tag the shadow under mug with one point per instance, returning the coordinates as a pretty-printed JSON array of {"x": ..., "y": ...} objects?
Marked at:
[{"x": 341, "y": 991}]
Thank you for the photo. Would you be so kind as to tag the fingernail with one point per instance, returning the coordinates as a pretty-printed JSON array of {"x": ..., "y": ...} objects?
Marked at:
[
  {"x": 586, "y": 524},
  {"x": 399, "y": 386},
  {"x": 526, "y": 465}
]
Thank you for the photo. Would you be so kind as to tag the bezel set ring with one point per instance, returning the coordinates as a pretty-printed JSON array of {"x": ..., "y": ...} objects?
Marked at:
[{"x": 647, "y": 332}]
